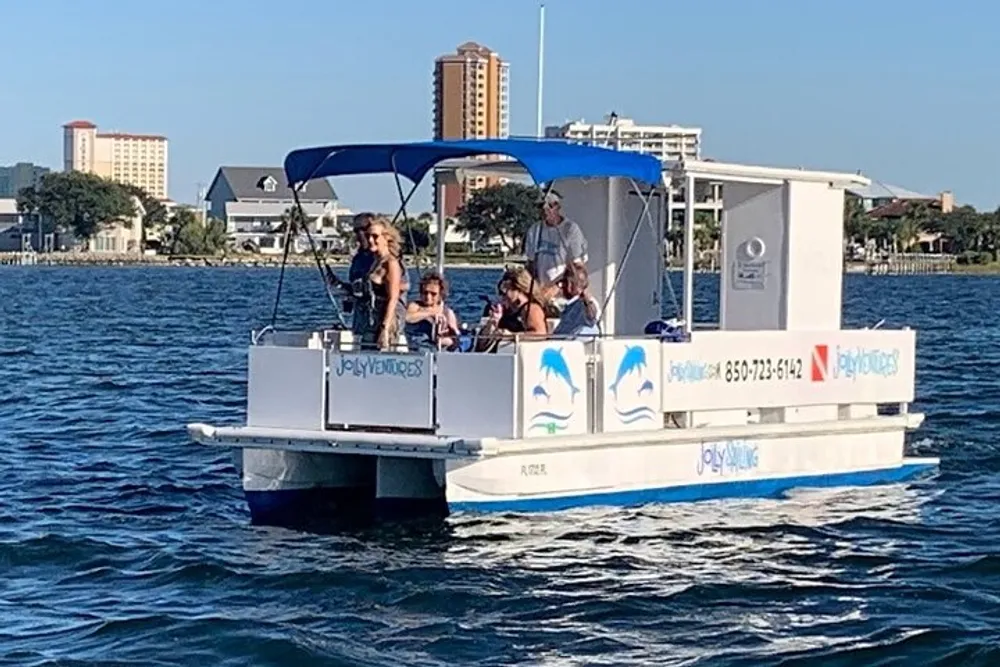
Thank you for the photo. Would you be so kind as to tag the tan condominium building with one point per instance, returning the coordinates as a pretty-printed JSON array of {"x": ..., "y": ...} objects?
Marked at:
[
  {"x": 132, "y": 159},
  {"x": 471, "y": 101}
]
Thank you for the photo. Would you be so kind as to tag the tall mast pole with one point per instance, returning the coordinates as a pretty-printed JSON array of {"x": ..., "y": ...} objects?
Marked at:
[{"x": 541, "y": 68}]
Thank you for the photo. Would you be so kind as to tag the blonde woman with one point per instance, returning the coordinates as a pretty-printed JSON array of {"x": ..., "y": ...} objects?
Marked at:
[
  {"x": 520, "y": 310},
  {"x": 381, "y": 308}
]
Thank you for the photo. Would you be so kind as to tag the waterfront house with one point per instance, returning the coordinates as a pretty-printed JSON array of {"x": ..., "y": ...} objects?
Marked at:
[
  {"x": 253, "y": 202},
  {"x": 882, "y": 201},
  {"x": 120, "y": 236},
  {"x": 11, "y": 231},
  {"x": 19, "y": 232}
]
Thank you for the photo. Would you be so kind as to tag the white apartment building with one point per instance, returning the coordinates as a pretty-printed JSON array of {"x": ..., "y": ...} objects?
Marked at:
[
  {"x": 666, "y": 142},
  {"x": 132, "y": 159}
]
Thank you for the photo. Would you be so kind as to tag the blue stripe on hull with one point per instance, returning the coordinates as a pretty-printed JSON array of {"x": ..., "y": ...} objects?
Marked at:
[{"x": 751, "y": 488}]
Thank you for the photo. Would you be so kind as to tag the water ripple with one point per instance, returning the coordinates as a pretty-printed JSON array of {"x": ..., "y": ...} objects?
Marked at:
[{"x": 122, "y": 543}]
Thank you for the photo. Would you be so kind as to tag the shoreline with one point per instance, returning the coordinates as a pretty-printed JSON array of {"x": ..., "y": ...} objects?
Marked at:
[
  {"x": 59, "y": 259},
  {"x": 231, "y": 261}
]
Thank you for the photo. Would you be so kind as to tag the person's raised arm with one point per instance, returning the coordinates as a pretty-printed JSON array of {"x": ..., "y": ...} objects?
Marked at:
[{"x": 415, "y": 312}]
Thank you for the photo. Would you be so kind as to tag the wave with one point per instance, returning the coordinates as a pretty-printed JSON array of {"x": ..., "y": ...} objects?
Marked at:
[
  {"x": 642, "y": 409},
  {"x": 641, "y": 413},
  {"x": 552, "y": 415}
]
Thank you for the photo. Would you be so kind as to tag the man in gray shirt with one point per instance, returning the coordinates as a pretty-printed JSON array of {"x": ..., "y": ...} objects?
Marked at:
[{"x": 553, "y": 244}]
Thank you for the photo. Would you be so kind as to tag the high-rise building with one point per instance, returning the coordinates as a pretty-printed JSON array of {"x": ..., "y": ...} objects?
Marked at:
[
  {"x": 132, "y": 159},
  {"x": 471, "y": 101},
  {"x": 19, "y": 176},
  {"x": 666, "y": 142}
]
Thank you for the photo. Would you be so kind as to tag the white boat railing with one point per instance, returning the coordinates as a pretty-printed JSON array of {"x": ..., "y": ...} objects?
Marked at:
[{"x": 544, "y": 388}]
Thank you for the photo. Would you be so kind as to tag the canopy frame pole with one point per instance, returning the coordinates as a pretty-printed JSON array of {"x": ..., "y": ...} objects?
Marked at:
[
  {"x": 404, "y": 200},
  {"x": 324, "y": 269},
  {"x": 281, "y": 274},
  {"x": 442, "y": 226},
  {"x": 689, "y": 252}
]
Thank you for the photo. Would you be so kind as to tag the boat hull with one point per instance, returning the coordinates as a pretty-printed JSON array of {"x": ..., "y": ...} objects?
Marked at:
[
  {"x": 289, "y": 487},
  {"x": 756, "y": 487},
  {"x": 651, "y": 471}
]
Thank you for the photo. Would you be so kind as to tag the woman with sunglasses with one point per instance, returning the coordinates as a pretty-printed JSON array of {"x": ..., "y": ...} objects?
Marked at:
[
  {"x": 381, "y": 309},
  {"x": 520, "y": 311},
  {"x": 430, "y": 324}
]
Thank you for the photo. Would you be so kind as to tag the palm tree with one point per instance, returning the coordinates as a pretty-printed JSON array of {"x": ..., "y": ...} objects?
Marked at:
[
  {"x": 292, "y": 216},
  {"x": 707, "y": 234},
  {"x": 858, "y": 226},
  {"x": 916, "y": 220}
]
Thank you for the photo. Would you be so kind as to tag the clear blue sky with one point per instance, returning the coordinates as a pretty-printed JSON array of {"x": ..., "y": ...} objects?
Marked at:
[{"x": 906, "y": 90}]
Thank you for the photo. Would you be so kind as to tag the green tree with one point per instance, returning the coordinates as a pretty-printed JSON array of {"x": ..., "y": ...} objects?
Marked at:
[
  {"x": 914, "y": 222},
  {"x": 858, "y": 226},
  {"x": 964, "y": 226},
  {"x": 82, "y": 203},
  {"x": 292, "y": 216},
  {"x": 501, "y": 211},
  {"x": 991, "y": 233},
  {"x": 707, "y": 231},
  {"x": 416, "y": 234},
  {"x": 191, "y": 237}
]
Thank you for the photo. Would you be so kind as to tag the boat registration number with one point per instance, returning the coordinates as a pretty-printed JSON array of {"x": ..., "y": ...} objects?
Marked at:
[{"x": 762, "y": 370}]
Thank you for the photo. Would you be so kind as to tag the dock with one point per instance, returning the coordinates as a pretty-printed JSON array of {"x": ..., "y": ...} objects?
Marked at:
[
  {"x": 898, "y": 264},
  {"x": 26, "y": 258}
]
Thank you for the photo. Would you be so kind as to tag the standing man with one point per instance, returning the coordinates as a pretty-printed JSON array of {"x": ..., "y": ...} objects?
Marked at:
[
  {"x": 361, "y": 263},
  {"x": 553, "y": 244}
]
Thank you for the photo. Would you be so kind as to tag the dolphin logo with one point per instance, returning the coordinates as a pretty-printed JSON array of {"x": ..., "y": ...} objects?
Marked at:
[
  {"x": 633, "y": 360},
  {"x": 553, "y": 363},
  {"x": 539, "y": 392}
]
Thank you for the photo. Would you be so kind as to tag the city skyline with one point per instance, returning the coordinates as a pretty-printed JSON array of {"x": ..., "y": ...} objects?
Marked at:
[{"x": 788, "y": 84}]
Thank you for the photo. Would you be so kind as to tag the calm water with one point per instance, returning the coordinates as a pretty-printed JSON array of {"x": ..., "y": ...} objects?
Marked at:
[{"x": 122, "y": 543}]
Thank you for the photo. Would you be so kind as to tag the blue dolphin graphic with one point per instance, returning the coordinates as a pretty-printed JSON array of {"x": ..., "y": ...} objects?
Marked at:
[
  {"x": 647, "y": 386},
  {"x": 553, "y": 363},
  {"x": 538, "y": 391},
  {"x": 633, "y": 360}
]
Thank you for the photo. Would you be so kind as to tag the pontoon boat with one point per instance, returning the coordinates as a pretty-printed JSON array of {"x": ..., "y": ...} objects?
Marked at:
[{"x": 778, "y": 396}]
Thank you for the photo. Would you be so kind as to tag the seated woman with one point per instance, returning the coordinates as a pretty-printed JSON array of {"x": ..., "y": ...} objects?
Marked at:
[
  {"x": 430, "y": 324},
  {"x": 519, "y": 312},
  {"x": 579, "y": 315},
  {"x": 379, "y": 313}
]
